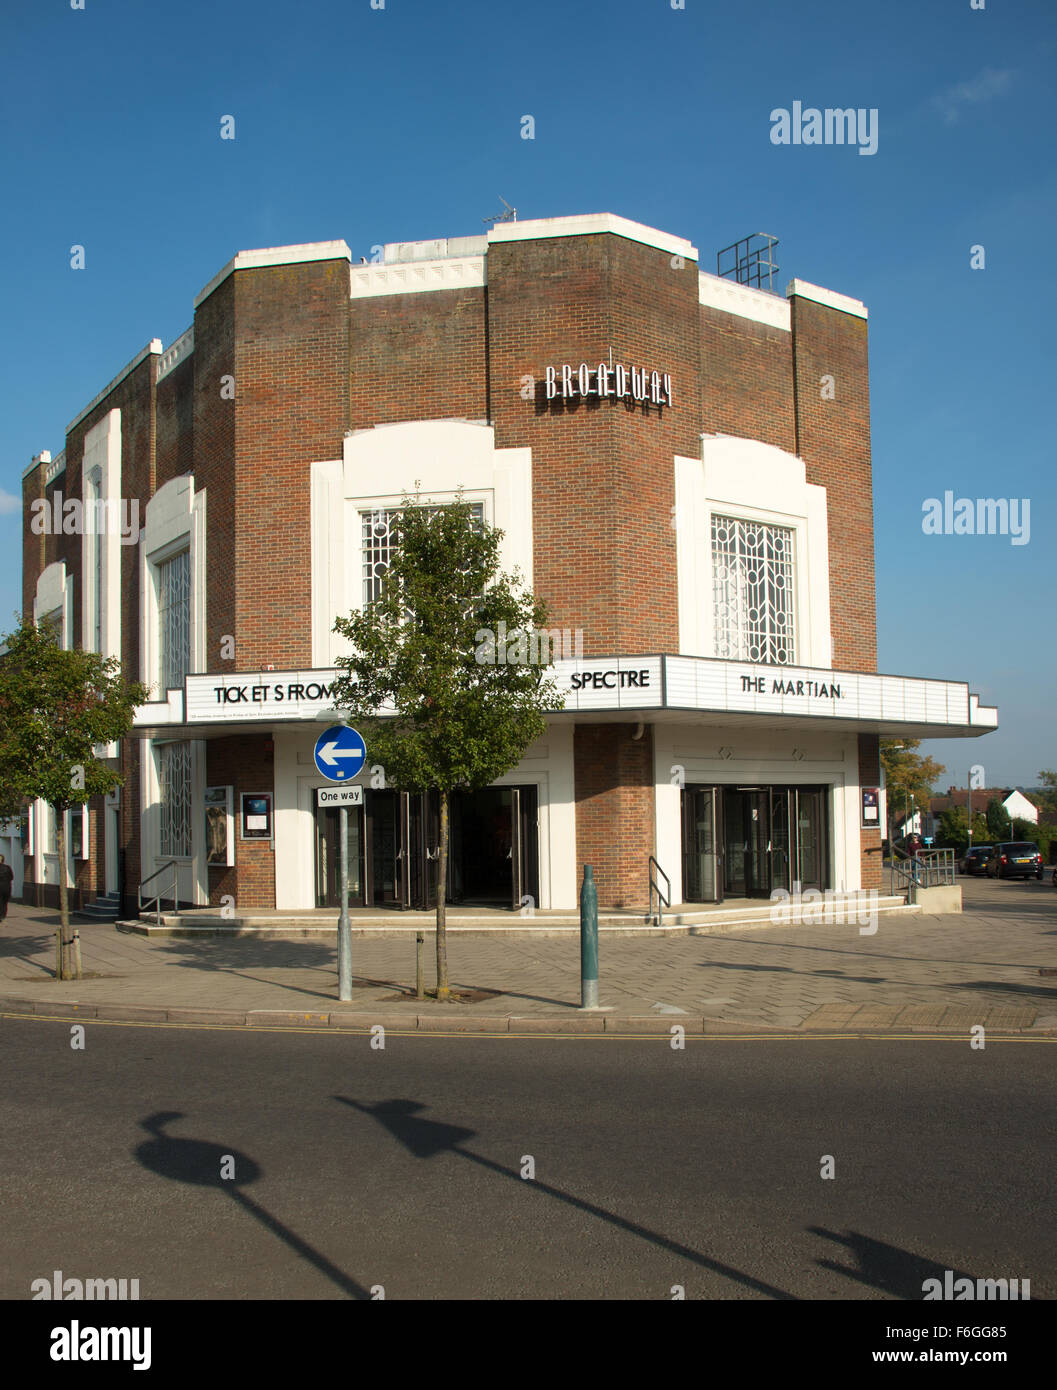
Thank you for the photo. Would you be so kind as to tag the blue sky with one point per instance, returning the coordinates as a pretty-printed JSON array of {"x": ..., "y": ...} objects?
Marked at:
[{"x": 403, "y": 123}]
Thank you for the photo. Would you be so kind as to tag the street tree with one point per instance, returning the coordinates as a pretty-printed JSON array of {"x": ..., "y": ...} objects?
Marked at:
[
  {"x": 56, "y": 708},
  {"x": 442, "y": 682},
  {"x": 998, "y": 823},
  {"x": 1046, "y": 797},
  {"x": 909, "y": 778},
  {"x": 954, "y": 827}
]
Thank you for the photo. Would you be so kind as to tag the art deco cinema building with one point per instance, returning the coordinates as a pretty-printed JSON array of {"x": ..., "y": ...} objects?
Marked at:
[{"x": 680, "y": 465}]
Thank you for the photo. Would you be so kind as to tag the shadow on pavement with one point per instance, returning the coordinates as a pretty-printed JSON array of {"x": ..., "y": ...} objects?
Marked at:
[{"x": 200, "y": 1163}]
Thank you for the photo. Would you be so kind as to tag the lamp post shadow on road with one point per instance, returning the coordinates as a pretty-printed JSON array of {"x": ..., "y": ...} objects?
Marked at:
[
  {"x": 201, "y": 1163},
  {"x": 427, "y": 1138}
]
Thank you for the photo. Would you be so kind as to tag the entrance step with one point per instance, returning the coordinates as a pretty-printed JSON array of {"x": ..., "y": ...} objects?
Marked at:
[
  {"x": 849, "y": 909},
  {"x": 105, "y": 907}
]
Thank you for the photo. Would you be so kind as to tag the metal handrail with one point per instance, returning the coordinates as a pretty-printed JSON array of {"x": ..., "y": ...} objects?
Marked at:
[
  {"x": 655, "y": 887},
  {"x": 930, "y": 868},
  {"x": 156, "y": 900}
]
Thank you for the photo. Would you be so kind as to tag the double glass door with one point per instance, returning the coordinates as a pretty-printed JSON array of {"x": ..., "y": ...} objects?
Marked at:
[
  {"x": 744, "y": 842},
  {"x": 374, "y": 852},
  {"x": 394, "y": 849},
  {"x": 493, "y": 847}
]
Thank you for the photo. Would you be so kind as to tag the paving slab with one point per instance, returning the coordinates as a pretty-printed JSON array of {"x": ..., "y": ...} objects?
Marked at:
[{"x": 916, "y": 971}]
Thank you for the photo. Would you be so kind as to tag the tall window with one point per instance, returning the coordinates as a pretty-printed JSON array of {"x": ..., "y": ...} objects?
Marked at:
[
  {"x": 95, "y": 530},
  {"x": 53, "y": 623},
  {"x": 377, "y": 533},
  {"x": 174, "y": 619},
  {"x": 174, "y": 786},
  {"x": 753, "y": 591}
]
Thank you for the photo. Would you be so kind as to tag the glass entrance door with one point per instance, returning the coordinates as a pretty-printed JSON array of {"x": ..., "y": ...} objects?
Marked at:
[
  {"x": 383, "y": 842},
  {"x": 702, "y": 881},
  {"x": 744, "y": 842},
  {"x": 493, "y": 847},
  {"x": 746, "y": 833},
  {"x": 524, "y": 867},
  {"x": 812, "y": 868},
  {"x": 780, "y": 845},
  {"x": 328, "y": 857}
]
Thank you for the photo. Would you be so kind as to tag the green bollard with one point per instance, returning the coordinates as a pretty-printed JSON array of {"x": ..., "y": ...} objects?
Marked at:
[{"x": 588, "y": 941}]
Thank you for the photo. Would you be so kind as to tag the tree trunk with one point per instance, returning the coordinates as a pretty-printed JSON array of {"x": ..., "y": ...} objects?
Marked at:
[
  {"x": 66, "y": 971},
  {"x": 443, "y": 991}
]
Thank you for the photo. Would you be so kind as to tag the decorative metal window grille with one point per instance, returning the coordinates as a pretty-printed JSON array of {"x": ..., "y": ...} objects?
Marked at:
[
  {"x": 753, "y": 591},
  {"x": 94, "y": 536},
  {"x": 377, "y": 533},
  {"x": 174, "y": 786},
  {"x": 174, "y": 619},
  {"x": 97, "y": 591},
  {"x": 52, "y": 622}
]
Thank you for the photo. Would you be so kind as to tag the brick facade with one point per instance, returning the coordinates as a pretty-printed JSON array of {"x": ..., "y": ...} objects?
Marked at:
[
  {"x": 870, "y": 840},
  {"x": 833, "y": 439},
  {"x": 614, "y": 815},
  {"x": 309, "y": 364}
]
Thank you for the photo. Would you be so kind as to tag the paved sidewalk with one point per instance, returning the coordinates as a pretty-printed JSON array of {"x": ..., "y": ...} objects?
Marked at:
[{"x": 916, "y": 972}]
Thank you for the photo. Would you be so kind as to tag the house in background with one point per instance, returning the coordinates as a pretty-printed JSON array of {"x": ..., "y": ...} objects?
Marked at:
[{"x": 1015, "y": 802}]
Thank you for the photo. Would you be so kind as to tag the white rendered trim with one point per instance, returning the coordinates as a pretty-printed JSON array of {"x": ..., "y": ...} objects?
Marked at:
[
  {"x": 592, "y": 224},
  {"x": 716, "y": 292},
  {"x": 55, "y": 591},
  {"x": 176, "y": 352},
  {"x": 102, "y": 459},
  {"x": 415, "y": 277},
  {"x": 830, "y": 298}
]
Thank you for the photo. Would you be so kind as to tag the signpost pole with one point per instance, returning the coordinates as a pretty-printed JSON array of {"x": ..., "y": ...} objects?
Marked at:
[
  {"x": 339, "y": 754},
  {"x": 344, "y": 929}
]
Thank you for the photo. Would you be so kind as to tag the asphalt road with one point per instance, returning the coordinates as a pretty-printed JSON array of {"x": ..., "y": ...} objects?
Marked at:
[{"x": 402, "y": 1167}]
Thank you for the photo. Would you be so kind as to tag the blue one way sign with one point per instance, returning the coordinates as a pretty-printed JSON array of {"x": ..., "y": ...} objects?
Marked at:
[{"x": 340, "y": 752}]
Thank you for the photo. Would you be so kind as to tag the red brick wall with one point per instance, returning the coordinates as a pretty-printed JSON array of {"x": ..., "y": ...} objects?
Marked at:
[
  {"x": 603, "y": 479},
  {"x": 246, "y": 763},
  {"x": 291, "y": 408},
  {"x": 614, "y": 811},
  {"x": 870, "y": 840},
  {"x": 130, "y": 821},
  {"x": 833, "y": 439},
  {"x": 34, "y": 546},
  {"x": 746, "y": 379},
  {"x": 418, "y": 357},
  {"x": 174, "y": 448},
  {"x": 214, "y": 463}
]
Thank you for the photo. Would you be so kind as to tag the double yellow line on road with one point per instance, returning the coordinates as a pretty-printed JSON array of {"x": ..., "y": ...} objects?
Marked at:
[{"x": 792, "y": 1036}]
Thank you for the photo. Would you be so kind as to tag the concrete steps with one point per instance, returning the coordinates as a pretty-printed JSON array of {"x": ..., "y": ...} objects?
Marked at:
[
  {"x": 106, "y": 907},
  {"x": 848, "y": 909}
]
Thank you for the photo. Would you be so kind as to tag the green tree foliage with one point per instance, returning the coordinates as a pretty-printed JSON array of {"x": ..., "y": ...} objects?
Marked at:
[
  {"x": 907, "y": 773},
  {"x": 420, "y": 651},
  {"x": 998, "y": 823},
  {"x": 56, "y": 708},
  {"x": 909, "y": 778},
  {"x": 954, "y": 828},
  {"x": 1046, "y": 798}
]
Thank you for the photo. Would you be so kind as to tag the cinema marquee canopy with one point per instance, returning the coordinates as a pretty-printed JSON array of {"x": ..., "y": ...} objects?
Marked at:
[{"x": 658, "y": 688}]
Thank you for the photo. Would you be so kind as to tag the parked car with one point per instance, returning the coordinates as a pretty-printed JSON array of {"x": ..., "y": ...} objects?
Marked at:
[
  {"x": 974, "y": 861},
  {"x": 1015, "y": 859}
]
